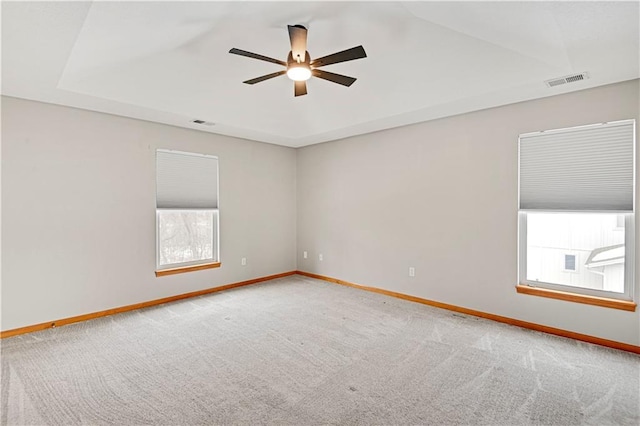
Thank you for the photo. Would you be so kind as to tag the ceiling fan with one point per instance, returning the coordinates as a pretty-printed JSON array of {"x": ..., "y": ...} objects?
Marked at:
[{"x": 300, "y": 67}]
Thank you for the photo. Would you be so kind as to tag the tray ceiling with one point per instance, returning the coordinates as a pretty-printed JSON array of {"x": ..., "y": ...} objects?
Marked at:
[{"x": 168, "y": 61}]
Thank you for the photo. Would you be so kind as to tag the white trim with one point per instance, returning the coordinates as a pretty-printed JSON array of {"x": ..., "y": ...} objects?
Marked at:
[
  {"x": 575, "y": 211},
  {"x": 584, "y": 126},
  {"x": 192, "y": 154},
  {"x": 630, "y": 255},
  {"x": 180, "y": 209},
  {"x": 635, "y": 165},
  {"x": 522, "y": 248}
]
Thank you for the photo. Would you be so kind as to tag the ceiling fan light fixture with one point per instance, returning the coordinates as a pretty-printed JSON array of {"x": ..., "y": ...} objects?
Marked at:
[
  {"x": 299, "y": 72},
  {"x": 299, "y": 66}
]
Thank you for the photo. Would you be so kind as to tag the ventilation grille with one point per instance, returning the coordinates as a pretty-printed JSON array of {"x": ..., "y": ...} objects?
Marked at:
[
  {"x": 203, "y": 123},
  {"x": 567, "y": 79}
]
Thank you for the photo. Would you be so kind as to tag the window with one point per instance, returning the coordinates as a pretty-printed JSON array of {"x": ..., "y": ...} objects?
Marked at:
[
  {"x": 576, "y": 211},
  {"x": 186, "y": 212},
  {"x": 570, "y": 262},
  {"x": 185, "y": 237}
]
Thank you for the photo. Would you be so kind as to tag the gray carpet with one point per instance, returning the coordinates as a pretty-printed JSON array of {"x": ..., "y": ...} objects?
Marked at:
[{"x": 301, "y": 351}]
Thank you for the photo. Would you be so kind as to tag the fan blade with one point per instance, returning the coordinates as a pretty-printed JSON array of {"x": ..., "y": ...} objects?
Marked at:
[
  {"x": 264, "y": 77},
  {"x": 300, "y": 88},
  {"x": 336, "y": 78},
  {"x": 298, "y": 38},
  {"x": 344, "y": 56},
  {"x": 256, "y": 56}
]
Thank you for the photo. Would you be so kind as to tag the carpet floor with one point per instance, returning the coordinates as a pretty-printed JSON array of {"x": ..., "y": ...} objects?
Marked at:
[{"x": 301, "y": 351}]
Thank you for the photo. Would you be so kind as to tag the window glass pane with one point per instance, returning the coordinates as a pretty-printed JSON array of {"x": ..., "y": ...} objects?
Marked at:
[
  {"x": 570, "y": 262},
  {"x": 596, "y": 241},
  {"x": 185, "y": 236}
]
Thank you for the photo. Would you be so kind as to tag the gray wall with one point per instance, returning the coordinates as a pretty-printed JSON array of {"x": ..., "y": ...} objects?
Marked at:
[
  {"x": 441, "y": 196},
  {"x": 78, "y": 211}
]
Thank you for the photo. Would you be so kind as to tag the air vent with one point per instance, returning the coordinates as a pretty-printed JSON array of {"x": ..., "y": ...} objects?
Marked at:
[
  {"x": 203, "y": 123},
  {"x": 567, "y": 79}
]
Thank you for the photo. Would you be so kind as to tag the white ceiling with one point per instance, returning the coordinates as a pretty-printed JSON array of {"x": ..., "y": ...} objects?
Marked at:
[{"x": 168, "y": 62}]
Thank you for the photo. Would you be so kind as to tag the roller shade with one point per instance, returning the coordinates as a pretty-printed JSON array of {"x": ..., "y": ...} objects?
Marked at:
[
  {"x": 186, "y": 180},
  {"x": 587, "y": 168}
]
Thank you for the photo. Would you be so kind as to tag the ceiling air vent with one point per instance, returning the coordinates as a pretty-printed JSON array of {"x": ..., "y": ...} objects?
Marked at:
[
  {"x": 203, "y": 123},
  {"x": 567, "y": 79}
]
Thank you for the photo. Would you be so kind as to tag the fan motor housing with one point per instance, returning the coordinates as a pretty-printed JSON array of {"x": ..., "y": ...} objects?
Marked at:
[{"x": 291, "y": 60}]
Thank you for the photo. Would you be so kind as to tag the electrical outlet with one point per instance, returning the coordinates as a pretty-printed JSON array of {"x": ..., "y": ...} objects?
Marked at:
[
  {"x": 320, "y": 257},
  {"x": 244, "y": 261},
  {"x": 412, "y": 271},
  {"x": 304, "y": 254}
]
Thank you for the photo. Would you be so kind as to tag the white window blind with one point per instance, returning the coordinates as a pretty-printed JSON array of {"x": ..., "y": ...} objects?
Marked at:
[
  {"x": 185, "y": 180},
  {"x": 587, "y": 168}
]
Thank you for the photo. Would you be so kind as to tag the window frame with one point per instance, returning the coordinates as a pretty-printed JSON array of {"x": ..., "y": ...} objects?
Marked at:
[
  {"x": 625, "y": 300},
  {"x": 629, "y": 259},
  {"x": 183, "y": 265}
]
